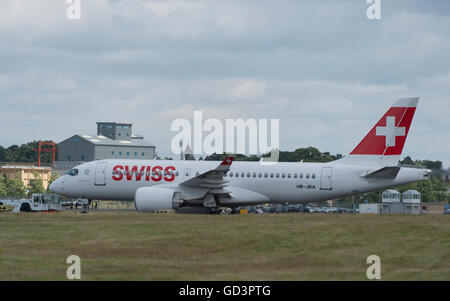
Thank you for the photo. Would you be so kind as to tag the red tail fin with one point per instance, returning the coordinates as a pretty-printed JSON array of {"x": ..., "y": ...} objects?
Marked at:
[{"x": 387, "y": 138}]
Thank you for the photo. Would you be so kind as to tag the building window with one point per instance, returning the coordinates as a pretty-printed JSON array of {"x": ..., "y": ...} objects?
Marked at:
[
  {"x": 128, "y": 153},
  {"x": 112, "y": 152},
  {"x": 120, "y": 153},
  {"x": 135, "y": 154},
  {"x": 120, "y": 134},
  {"x": 143, "y": 154},
  {"x": 82, "y": 157},
  {"x": 69, "y": 157}
]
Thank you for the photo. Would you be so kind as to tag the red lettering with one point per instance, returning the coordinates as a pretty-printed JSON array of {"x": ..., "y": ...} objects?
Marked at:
[
  {"x": 157, "y": 170},
  {"x": 170, "y": 172},
  {"x": 130, "y": 174},
  {"x": 147, "y": 173},
  {"x": 117, "y": 175},
  {"x": 134, "y": 170}
]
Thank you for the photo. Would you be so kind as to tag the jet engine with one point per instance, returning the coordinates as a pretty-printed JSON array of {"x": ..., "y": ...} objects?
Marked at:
[{"x": 156, "y": 198}]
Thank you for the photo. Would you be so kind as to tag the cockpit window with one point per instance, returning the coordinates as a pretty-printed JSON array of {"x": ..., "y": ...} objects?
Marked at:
[{"x": 73, "y": 172}]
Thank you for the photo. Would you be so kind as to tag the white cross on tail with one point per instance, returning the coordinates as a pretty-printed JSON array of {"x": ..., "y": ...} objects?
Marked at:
[{"x": 390, "y": 131}]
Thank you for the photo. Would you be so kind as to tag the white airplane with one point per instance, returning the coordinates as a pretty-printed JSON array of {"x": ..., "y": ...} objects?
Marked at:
[{"x": 166, "y": 184}]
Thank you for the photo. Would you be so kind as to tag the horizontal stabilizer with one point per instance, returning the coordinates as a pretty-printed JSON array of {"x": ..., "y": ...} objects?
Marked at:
[{"x": 389, "y": 172}]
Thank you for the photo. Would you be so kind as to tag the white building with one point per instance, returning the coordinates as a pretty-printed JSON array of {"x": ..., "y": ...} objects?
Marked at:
[
  {"x": 373, "y": 208},
  {"x": 411, "y": 196},
  {"x": 390, "y": 196}
]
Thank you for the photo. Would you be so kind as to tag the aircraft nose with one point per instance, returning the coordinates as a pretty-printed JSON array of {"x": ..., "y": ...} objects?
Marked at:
[{"x": 56, "y": 186}]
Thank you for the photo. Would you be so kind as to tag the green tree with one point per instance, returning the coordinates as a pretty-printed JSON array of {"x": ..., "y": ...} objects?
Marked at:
[
  {"x": 36, "y": 185},
  {"x": 25, "y": 153},
  {"x": 407, "y": 161},
  {"x": 3, "y": 190},
  {"x": 2, "y": 154},
  {"x": 14, "y": 187}
]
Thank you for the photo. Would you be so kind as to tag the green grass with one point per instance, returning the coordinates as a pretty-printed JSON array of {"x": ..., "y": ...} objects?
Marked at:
[{"x": 138, "y": 246}]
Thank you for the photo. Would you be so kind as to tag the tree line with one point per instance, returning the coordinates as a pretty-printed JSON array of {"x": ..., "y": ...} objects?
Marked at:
[
  {"x": 15, "y": 188},
  {"x": 24, "y": 154}
]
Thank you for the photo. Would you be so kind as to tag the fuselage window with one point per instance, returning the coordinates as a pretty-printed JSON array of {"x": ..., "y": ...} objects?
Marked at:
[
  {"x": 301, "y": 176},
  {"x": 197, "y": 173},
  {"x": 283, "y": 175},
  {"x": 289, "y": 175},
  {"x": 225, "y": 175},
  {"x": 242, "y": 174},
  {"x": 231, "y": 174},
  {"x": 265, "y": 175},
  {"x": 177, "y": 173},
  {"x": 237, "y": 175},
  {"x": 248, "y": 175},
  {"x": 277, "y": 175},
  {"x": 295, "y": 176},
  {"x": 307, "y": 175},
  {"x": 260, "y": 175},
  {"x": 313, "y": 176},
  {"x": 254, "y": 174},
  {"x": 271, "y": 174}
]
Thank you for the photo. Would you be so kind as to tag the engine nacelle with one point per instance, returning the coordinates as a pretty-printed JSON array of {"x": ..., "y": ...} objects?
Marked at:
[{"x": 156, "y": 198}]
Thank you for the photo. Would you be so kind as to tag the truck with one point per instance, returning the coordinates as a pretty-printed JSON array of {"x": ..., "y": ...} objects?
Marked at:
[{"x": 48, "y": 202}]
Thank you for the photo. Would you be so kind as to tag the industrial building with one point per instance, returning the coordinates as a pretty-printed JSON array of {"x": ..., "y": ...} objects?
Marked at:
[
  {"x": 26, "y": 173},
  {"x": 112, "y": 141}
]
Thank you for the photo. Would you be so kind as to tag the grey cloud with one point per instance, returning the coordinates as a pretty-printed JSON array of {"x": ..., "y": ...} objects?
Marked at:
[{"x": 322, "y": 68}]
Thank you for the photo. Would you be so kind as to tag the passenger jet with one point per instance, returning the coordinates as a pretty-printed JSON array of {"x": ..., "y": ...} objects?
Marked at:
[{"x": 166, "y": 184}]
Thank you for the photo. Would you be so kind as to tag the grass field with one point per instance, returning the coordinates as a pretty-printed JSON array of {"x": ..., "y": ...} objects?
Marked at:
[{"x": 137, "y": 246}]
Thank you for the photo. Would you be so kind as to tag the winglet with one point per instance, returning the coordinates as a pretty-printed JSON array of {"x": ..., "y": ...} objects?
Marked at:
[{"x": 227, "y": 161}]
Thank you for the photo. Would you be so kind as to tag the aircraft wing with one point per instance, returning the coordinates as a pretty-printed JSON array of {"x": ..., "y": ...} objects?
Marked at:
[{"x": 212, "y": 179}]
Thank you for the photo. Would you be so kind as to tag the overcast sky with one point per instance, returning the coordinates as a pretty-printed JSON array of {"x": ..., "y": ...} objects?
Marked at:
[{"x": 322, "y": 67}]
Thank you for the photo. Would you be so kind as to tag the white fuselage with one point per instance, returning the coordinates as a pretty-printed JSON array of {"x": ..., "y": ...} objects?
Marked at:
[{"x": 280, "y": 182}]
